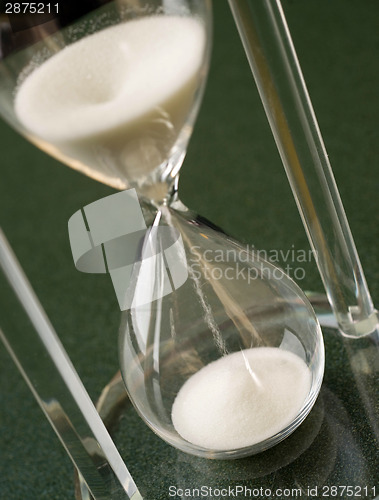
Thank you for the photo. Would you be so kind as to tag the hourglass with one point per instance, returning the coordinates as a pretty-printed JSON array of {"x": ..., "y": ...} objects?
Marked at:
[{"x": 220, "y": 351}]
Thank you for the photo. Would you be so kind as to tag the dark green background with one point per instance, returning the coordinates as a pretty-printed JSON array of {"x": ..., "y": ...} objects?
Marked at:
[{"x": 232, "y": 175}]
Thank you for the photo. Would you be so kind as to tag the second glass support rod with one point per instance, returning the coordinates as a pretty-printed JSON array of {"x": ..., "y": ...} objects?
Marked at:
[{"x": 271, "y": 54}]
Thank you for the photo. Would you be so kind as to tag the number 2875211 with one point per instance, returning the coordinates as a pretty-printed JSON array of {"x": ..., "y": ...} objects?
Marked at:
[{"x": 31, "y": 8}]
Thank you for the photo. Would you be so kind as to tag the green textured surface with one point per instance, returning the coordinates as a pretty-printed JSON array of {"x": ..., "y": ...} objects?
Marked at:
[{"x": 233, "y": 176}]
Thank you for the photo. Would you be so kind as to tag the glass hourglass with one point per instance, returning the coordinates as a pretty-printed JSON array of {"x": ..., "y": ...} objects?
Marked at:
[{"x": 220, "y": 351}]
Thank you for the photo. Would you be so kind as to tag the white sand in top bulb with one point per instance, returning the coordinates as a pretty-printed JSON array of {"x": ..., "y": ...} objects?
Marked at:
[
  {"x": 241, "y": 399},
  {"x": 112, "y": 77},
  {"x": 114, "y": 103}
]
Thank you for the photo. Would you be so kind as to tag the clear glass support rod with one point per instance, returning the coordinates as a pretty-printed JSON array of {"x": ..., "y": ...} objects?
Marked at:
[
  {"x": 40, "y": 357},
  {"x": 273, "y": 61}
]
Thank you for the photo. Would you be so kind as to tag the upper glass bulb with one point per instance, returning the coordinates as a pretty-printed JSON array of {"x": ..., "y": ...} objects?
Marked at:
[{"x": 114, "y": 94}]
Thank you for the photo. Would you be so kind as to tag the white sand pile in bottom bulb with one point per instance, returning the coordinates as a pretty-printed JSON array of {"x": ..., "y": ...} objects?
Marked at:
[{"x": 242, "y": 398}]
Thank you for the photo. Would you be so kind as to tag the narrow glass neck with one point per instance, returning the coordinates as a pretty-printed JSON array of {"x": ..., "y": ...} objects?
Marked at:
[{"x": 162, "y": 192}]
